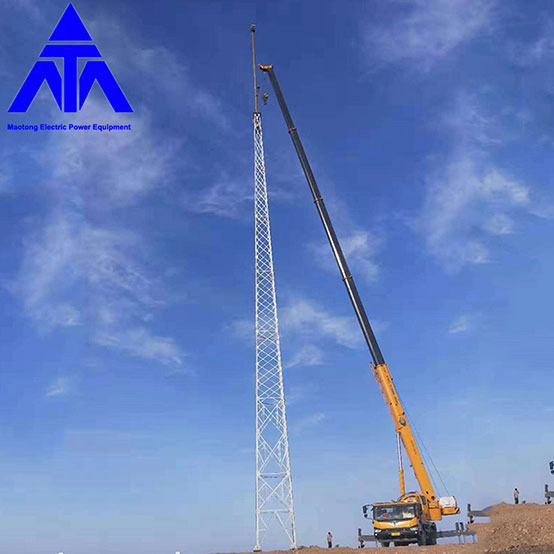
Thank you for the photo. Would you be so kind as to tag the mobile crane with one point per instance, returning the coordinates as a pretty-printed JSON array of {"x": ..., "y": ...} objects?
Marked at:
[{"x": 410, "y": 519}]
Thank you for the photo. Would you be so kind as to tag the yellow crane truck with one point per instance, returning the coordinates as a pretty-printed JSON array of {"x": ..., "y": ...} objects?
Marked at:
[{"x": 411, "y": 519}]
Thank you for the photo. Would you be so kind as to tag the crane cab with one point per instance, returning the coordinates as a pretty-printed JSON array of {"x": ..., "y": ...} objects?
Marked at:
[{"x": 405, "y": 521}]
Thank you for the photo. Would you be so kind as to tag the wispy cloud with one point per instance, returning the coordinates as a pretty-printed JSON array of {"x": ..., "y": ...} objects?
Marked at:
[
  {"x": 304, "y": 317},
  {"x": 30, "y": 7},
  {"x": 42, "y": 277},
  {"x": 242, "y": 329},
  {"x": 60, "y": 387},
  {"x": 360, "y": 249},
  {"x": 462, "y": 324},
  {"x": 174, "y": 84},
  {"x": 528, "y": 54},
  {"x": 308, "y": 355},
  {"x": 467, "y": 201},
  {"x": 308, "y": 422},
  {"x": 175, "y": 80},
  {"x": 112, "y": 171},
  {"x": 140, "y": 342},
  {"x": 303, "y": 354},
  {"x": 426, "y": 31},
  {"x": 296, "y": 394},
  {"x": 469, "y": 124},
  {"x": 68, "y": 251},
  {"x": 470, "y": 199},
  {"x": 226, "y": 196},
  {"x": 65, "y": 255},
  {"x": 79, "y": 243}
]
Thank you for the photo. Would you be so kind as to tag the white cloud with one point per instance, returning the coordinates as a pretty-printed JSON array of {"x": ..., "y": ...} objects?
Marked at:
[
  {"x": 66, "y": 250},
  {"x": 225, "y": 197},
  {"x": 232, "y": 196},
  {"x": 469, "y": 124},
  {"x": 296, "y": 393},
  {"x": 469, "y": 199},
  {"x": 60, "y": 387},
  {"x": 534, "y": 52},
  {"x": 426, "y": 31},
  {"x": 243, "y": 329},
  {"x": 47, "y": 254},
  {"x": 6, "y": 177},
  {"x": 306, "y": 318},
  {"x": 308, "y": 355},
  {"x": 309, "y": 422},
  {"x": 140, "y": 342},
  {"x": 360, "y": 249},
  {"x": 173, "y": 84},
  {"x": 81, "y": 265},
  {"x": 64, "y": 315},
  {"x": 109, "y": 169},
  {"x": 499, "y": 224},
  {"x": 462, "y": 324},
  {"x": 65, "y": 253},
  {"x": 31, "y": 7},
  {"x": 79, "y": 245},
  {"x": 174, "y": 77},
  {"x": 463, "y": 204}
]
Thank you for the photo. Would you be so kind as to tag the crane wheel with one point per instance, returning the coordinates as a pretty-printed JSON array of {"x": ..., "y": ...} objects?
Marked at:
[{"x": 432, "y": 535}]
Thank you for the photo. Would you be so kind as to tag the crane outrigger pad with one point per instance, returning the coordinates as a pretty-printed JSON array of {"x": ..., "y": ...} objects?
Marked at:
[{"x": 485, "y": 512}]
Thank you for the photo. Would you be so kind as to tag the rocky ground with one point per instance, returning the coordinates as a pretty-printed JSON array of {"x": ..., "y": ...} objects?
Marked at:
[{"x": 521, "y": 529}]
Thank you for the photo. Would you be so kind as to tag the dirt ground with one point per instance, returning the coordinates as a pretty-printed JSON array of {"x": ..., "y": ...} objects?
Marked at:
[
  {"x": 518, "y": 529},
  {"x": 521, "y": 529},
  {"x": 439, "y": 549}
]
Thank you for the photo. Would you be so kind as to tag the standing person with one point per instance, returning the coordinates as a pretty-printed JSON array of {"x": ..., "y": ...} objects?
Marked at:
[
  {"x": 329, "y": 540},
  {"x": 516, "y": 496}
]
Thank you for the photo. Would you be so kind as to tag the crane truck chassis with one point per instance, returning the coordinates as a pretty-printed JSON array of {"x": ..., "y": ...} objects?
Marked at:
[
  {"x": 424, "y": 507},
  {"x": 461, "y": 531},
  {"x": 402, "y": 522}
]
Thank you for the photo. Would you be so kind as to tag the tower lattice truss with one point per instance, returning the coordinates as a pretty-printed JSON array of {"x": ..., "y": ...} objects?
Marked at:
[{"x": 274, "y": 501}]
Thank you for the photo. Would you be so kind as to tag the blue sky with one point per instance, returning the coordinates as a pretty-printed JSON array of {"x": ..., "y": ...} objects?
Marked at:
[{"x": 126, "y": 266}]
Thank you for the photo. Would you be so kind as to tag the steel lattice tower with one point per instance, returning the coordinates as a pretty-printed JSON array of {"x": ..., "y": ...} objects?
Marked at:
[{"x": 273, "y": 477}]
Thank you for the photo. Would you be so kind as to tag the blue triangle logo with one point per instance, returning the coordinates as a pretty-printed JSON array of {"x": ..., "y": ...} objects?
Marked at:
[{"x": 70, "y": 27}]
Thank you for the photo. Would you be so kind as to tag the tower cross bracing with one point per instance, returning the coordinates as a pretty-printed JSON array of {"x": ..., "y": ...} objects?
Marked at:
[{"x": 274, "y": 500}]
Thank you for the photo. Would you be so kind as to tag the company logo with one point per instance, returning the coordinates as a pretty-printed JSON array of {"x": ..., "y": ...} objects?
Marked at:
[{"x": 72, "y": 90}]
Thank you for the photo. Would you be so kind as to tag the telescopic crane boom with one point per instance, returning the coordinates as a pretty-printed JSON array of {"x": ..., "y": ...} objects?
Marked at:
[{"x": 379, "y": 367}]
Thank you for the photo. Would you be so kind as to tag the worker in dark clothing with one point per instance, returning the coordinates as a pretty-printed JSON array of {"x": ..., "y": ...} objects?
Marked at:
[
  {"x": 516, "y": 496},
  {"x": 329, "y": 540}
]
